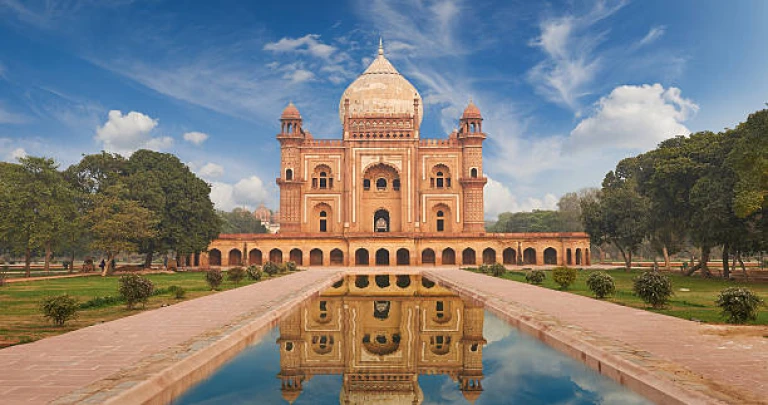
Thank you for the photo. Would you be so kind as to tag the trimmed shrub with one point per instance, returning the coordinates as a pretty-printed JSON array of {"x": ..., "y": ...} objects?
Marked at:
[
  {"x": 214, "y": 278},
  {"x": 564, "y": 276},
  {"x": 738, "y": 304},
  {"x": 98, "y": 302},
  {"x": 177, "y": 291},
  {"x": 59, "y": 309},
  {"x": 291, "y": 266},
  {"x": 497, "y": 269},
  {"x": 271, "y": 268},
  {"x": 483, "y": 268},
  {"x": 601, "y": 284},
  {"x": 253, "y": 272},
  {"x": 535, "y": 276},
  {"x": 134, "y": 289},
  {"x": 654, "y": 288},
  {"x": 236, "y": 274}
]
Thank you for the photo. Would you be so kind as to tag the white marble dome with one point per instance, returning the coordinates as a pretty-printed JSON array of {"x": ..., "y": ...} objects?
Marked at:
[{"x": 380, "y": 90}]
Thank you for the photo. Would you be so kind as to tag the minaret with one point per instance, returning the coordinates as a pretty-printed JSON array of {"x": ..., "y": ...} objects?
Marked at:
[
  {"x": 471, "y": 374},
  {"x": 291, "y": 345},
  {"x": 472, "y": 180},
  {"x": 291, "y": 137}
]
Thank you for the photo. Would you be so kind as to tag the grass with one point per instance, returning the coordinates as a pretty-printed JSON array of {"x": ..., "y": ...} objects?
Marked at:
[
  {"x": 698, "y": 303},
  {"x": 22, "y": 322}
]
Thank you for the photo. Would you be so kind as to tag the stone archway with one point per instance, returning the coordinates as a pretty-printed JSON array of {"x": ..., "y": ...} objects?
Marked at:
[
  {"x": 381, "y": 221},
  {"x": 315, "y": 257},
  {"x": 235, "y": 257},
  {"x": 578, "y": 257},
  {"x": 509, "y": 256},
  {"x": 550, "y": 256},
  {"x": 529, "y": 256},
  {"x": 254, "y": 257},
  {"x": 568, "y": 257},
  {"x": 382, "y": 257},
  {"x": 489, "y": 256},
  {"x": 296, "y": 256},
  {"x": 468, "y": 256},
  {"x": 337, "y": 257},
  {"x": 428, "y": 256},
  {"x": 276, "y": 256},
  {"x": 403, "y": 257},
  {"x": 361, "y": 257},
  {"x": 449, "y": 256},
  {"x": 214, "y": 257}
]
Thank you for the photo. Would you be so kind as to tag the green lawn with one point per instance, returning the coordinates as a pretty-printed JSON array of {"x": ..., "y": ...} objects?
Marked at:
[
  {"x": 22, "y": 322},
  {"x": 698, "y": 303}
]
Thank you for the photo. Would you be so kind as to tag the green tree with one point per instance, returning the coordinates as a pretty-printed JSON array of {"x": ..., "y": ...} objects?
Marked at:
[
  {"x": 116, "y": 223},
  {"x": 749, "y": 160},
  {"x": 240, "y": 220},
  {"x": 36, "y": 204},
  {"x": 180, "y": 201}
]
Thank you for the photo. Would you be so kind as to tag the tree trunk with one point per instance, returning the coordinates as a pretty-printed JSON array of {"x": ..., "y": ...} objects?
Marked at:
[
  {"x": 726, "y": 269},
  {"x": 47, "y": 265},
  {"x": 743, "y": 267},
  {"x": 108, "y": 266},
  {"x": 704, "y": 261},
  {"x": 627, "y": 258},
  {"x": 27, "y": 262},
  {"x": 72, "y": 262},
  {"x": 667, "y": 263},
  {"x": 148, "y": 260}
]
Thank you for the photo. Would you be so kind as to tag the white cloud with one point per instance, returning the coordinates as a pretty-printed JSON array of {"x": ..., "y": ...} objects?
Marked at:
[
  {"x": 498, "y": 198},
  {"x": 126, "y": 133},
  {"x": 299, "y": 75},
  {"x": 571, "y": 64},
  {"x": 247, "y": 192},
  {"x": 309, "y": 44},
  {"x": 211, "y": 170},
  {"x": 653, "y": 34},
  {"x": 634, "y": 117},
  {"x": 17, "y": 154},
  {"x": 7, "y": 117},
  {"x": 196, "y": 138}
]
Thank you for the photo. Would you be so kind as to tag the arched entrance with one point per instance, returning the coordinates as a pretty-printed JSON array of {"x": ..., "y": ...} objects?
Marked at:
[
  {"x": 578, "y": 256},
  {"x": 568, "y": 258},
  {"x": 361, "y": 257},
  {"x": 337, "y": 257},
  {"x": 296, "y": 256},
  {"x": 403, "y": 257},
  {"x": 428, "y": 256},
  {"x": 489, "y": 256},
  {"x": 529, "y": 256},
  {"x": 276, "y": 256},
  {"x": 381, "y": 221},
  {"x": 254, "y": 257},
  {"x": 382, "y": 257},
  {"x": 509, "y": 256},
  {"x": 214, "y": 257},
  {"x": 235, "y": 257},
  {"x": 550, "y": 256},
  {"x": 449, "y": 256},
  {"x": 315, "y": 257},
  {"x": 468, "y": 256}
]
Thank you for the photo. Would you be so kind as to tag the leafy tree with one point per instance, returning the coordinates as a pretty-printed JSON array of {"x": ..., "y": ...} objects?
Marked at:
[
  {"x": 117, "y": 223},
  {"x": 36, "y": 204},
  {"x": 240, "y": 220},
  {"x": 97, "y": 172},
  {"x": 180, "y": 201},
  {"x": 619, "y": 216},
  {"x": 749, "y": 160}
]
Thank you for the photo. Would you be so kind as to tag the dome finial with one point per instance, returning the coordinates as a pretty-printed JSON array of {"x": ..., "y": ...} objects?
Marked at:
[{"x": 381, "y": 46}]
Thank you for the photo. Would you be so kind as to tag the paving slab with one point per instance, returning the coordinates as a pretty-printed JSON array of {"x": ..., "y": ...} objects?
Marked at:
[
  {"x": 662, "y": 357},
  {"x": 77, "y": 366}
]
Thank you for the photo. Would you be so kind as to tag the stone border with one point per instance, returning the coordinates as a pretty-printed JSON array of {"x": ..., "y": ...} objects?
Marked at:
[
  {"x": 193, "y": 362},
  {"x": 657, "y": 380}
]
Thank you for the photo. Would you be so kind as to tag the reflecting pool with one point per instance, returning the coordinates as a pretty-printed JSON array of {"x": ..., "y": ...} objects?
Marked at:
[{"x": 401, "y": 339}]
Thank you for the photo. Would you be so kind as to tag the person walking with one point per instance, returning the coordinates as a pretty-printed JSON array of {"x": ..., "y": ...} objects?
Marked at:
[{"x": 102, "y": 265}]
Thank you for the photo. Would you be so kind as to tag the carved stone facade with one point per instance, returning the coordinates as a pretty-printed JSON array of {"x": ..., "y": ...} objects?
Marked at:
[{"x": 382, "y": 186}]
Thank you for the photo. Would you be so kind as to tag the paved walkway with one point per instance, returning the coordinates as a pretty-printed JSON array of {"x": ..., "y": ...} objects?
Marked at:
[
  {"x": 48, "y": 369},
  {"x": 731, "y": 368}
]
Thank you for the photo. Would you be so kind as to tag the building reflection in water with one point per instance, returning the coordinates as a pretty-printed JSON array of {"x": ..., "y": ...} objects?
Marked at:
[{"x": 380, "y": 332}]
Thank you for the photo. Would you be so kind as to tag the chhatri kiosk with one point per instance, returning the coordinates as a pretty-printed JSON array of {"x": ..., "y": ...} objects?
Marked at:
[{"x": 383, "y": 195}]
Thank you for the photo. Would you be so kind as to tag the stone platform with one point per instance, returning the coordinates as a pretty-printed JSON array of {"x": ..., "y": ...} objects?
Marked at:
[{"x": 154, "y": 355}]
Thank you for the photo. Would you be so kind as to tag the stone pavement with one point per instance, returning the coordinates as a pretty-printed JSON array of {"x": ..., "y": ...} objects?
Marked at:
[
  {"x": 68, "y": 365},
  {"x": 695, "y": 362}
]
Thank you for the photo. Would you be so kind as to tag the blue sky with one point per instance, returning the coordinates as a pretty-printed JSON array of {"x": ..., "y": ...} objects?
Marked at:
[{"x": 566, "y": 88}]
